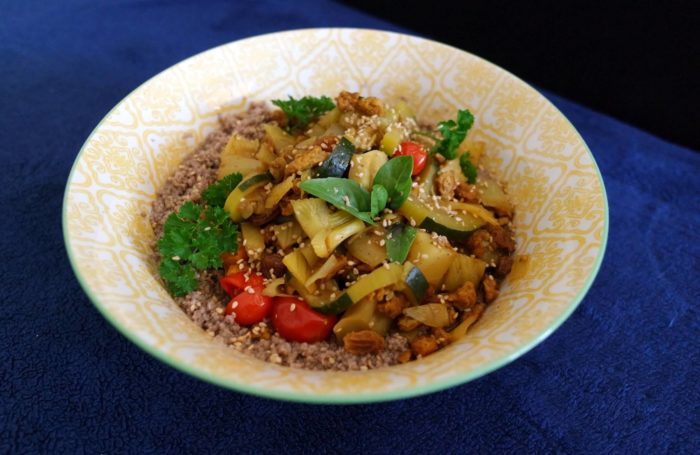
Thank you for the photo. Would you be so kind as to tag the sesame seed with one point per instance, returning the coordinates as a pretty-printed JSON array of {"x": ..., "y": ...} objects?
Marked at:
[
  {"x": 234, "y": 304},
  {"x": 382, "y": 242},
  {"x": 175, "y": 258},
  {"x": 293, "y": 307}
]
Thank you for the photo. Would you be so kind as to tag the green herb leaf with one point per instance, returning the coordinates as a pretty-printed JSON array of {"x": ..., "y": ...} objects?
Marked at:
[
  {"x": 215, "y": 195},
  {"x": 399, "y": 241},
  {"x": 378, "y": 199},
  {"x": 345, "y": 194},
  {"x": 395, "y": 177},
  {"x": 338, "y": 162},
  {"x": 303, "y": 111},
  {"x": 468, "y": 168},
  {"x": 453, "y": 133},
  {"x": 193, "y": 239}
]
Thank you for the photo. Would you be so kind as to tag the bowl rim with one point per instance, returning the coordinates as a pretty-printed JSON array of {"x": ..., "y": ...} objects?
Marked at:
[{"x": 335, "y": 397}]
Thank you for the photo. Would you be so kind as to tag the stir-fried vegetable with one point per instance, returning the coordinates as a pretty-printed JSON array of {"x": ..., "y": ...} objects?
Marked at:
[{"x": 430, "y": 314}]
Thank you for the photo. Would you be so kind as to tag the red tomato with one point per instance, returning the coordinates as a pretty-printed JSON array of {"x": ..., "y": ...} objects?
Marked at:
[
  {"x": 415, "y": 151},
  {"x": 237, "y": 282},
  {"x": 294, "y": 320},
  {"x": 249, "y": 308}
]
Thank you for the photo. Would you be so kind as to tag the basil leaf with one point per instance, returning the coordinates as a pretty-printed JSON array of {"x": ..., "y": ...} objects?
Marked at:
[
  {"x": 345, "y": 194},
  {"x": 399, "y": 241},
  {"x": 378, "y": 199},
  {"x": 338, "y": 162},
  {"x": 395, "y": 176}
]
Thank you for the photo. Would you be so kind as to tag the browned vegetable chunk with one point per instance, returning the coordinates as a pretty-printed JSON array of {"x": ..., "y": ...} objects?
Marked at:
[
  {"x": 405, "y": 356},
  {"x": 306, "y": 159},
  {"x": 424, "y": 345},
  {"x": 464, "y": 297},
  {"x": 442, "y": 337},
  {"x": 490, "y": 289},
  {"x": 479, "y": 244},
  {"x": 394, "y": 306},
  {"x": 353, "y": 102},
  {"x": 363, "y": 342},
  {"x": 272, "y": 266},
  {"x": 467, "y": 193},
  {"x": 502, "y": 237},
  {"x": 407, "y": 324},
  {"x": 446, "y": 184}
]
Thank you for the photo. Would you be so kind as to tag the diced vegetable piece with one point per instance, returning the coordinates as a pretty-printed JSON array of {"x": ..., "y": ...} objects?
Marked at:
[
  {"x": 299, "y": 267},
  {"x": 390, "y": 141},
  {"x": 326, "y": 241},
  {"x": 415, "y": 284},
  {"x": 266, "y": 154},
  {"x": 461, "y": 330},
  {"x": 430, "y": 314},
  {"x": 308, "y": 252},
  {"x": 312, "y": 214},
  {"x": 244, "y": 165},
  {"x": 278, "y": 191},
  {"x": 384, "y": 276},
  {"x": 272, "y": 289},
  {"x": 492, "y": 195},
  {"x": 431, "y": 259},
  {"x": 329, "y": 268},
  {"x": 287, "y": 234},
  {"x": 364, "y": 167},
  {"x": 404, "y": 110},
  {"x": 334, "y": 130},
  {"x": 253, "y": 240},
  {"x": 366, "y": 246},
  {"x": 474, "y": 148},
  {"x": 463, "y": 269},
  {"x": 380, "y": 323},
  {"x": 426, "y": 179},
  {"x": 321, "y": 297},
  {"x": 474, "y": 209},
  {"x": 357, "y": 317},
  {"x": 294, "y": 320},
  {"x": 338, "y": 162},
  {"x": 329, "y": 118},
  {"x": 241, "y": 146},
  {"x": 278, "y": 137},
  {"x": 244, "y": 189},
  {"x": 437, "y": 219}
]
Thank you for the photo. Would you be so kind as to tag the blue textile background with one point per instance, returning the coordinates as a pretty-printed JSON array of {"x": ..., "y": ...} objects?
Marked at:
[{"x": 621, "y": 375}]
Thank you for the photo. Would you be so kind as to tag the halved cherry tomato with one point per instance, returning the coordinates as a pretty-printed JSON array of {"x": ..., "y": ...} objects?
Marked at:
[
  {"x": 415, "y": 151},
  {"x": 294, "y": 320},
  {"x": 249, "y": 307},
  {"x": 237, "y": 282}
]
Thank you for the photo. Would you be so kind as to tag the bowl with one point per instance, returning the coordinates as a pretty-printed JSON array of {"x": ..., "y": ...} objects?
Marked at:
[{"x": 561, "y": 216}]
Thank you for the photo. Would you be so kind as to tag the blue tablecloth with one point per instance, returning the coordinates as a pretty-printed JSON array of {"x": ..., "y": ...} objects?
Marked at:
[{"x": 621, "y": 375}]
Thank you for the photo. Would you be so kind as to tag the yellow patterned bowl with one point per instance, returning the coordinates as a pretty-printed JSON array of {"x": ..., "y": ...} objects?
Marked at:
[{"x": 561, "y": 218}]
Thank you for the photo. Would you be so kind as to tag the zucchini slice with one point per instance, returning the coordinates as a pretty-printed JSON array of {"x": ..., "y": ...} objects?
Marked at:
[
  {"x": 439, "y": 220},
  {"x": 245, "y": 188},
  {"x": 415, "y": 283},
  {"x": 338, "y": 162}
]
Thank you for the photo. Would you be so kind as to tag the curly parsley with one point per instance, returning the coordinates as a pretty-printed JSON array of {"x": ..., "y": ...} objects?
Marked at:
[
  {"x": 193, "y": 239},
  {"x": 216, "y": 194},
  {"x": 453, "y": 133},
  {"x": 468, "y": 168},
  {"x": 301, "y": 112}
]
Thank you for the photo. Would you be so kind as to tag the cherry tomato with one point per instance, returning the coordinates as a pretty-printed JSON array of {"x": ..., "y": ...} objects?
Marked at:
[
  {"x": 294, "y": 320},
  {"x": 249, "y": 308},
  {"x": 237, "y": 282},
  {"x": 415, "y": 151}
]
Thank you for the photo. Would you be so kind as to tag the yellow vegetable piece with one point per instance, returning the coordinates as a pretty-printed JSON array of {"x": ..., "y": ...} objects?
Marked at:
[
  {"x": 390, "y": 141},
  {"x": 253, "y": 240},
  {"x": 278, "y": 137},
  {"x": 364, "y": 166},
  {"x": 278, "y": 192},
  {"x": 462, "y": 269},
  {"x": 430, "y": 314},
  {"x": 432, "y": 260}
]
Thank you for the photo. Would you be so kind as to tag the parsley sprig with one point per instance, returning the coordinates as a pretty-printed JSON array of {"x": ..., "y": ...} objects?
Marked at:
[
  {"x": 193, "y": 239},
  {"x": 453, "y": 133},
  {"x": 300, "y": 112},
  {"x": 215, "y": 195}
]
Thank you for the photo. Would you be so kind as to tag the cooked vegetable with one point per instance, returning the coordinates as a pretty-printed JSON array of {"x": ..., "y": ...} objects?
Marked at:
[
  {"x": 301, "y": 112},
  {"x": 287, "y": 234},
  {"x": 278, "y": 192},
  {"x": 215, "y": 195},
  {"x": 368, "y": 247},
  {"x": 272, "y": 289},
  {"x": 474, "y": 209},
  {"x": 324, "y": 295},
  {"x": 244, "y": 189},
  {"x": 426, "y": 179},
  {"x": 277, "y": 137},
  {"x": 328, "y": 240},
  {"x": 361, "y": 316},
  {"x": 415, "y": 285},
  {"x": 235, "y": 283},
  {"x": 266, "y": 154},
  {"x": 329, "y": 268},
  {"x": 458, "y": 332},
  {"x": 249, "y": 307},
  {"x": 240, "y": 146},
  {"x": 338, "y": 162},
  {"x": 462, "y": 269},
  {"x": 395, "y": 176},
  {"x": 294, "y": 320},
  {"x": 364, "y": 166},
  {"x": 253, "y": 240},
  {"x": 345, "y": 194},
  {"x": 399, "y": 241},
  {"x": 438, "y": 220},
  {"x": 492, "y": 195},
  {"x": 390, "y": 141},
  {"x": 453, "y": 133},
  {"x": 387, "y": 275},
  {"x": 416, "y": 152},
  {"x": 430, "y": 314},
  {"x": 194, "y": 239},
  {"x": 239, "y": 164},
  {"x": 312, "y": 214},
  {"x": 299, "y": 266},
  {"x": 431, "y": 259}
]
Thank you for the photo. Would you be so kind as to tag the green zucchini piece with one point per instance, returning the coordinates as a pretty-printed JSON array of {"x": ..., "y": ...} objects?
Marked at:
[
  {"x": 246, "y": 187},
  {"x": 415, "y": 283},
  {"x": 338, "y": 162}
]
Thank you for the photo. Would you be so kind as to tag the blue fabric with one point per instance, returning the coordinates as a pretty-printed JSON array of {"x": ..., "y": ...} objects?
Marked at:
[{"x": 621, "y": 375}]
